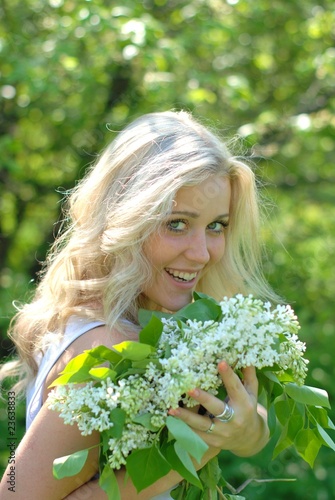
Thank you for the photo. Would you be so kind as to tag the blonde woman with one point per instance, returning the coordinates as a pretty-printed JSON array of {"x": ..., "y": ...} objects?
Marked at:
[{"x": 165, "y": 211}]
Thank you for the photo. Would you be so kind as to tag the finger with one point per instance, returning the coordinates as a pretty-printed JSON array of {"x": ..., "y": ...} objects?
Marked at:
[
  {"x": 198, "y": 422},
  {"x": 212, "y": 404},
  {"x": 215, "y": 434},
  {"x": 240, "y": 394},
  {"x": 206, "y": 428},
  {"x": 231, "y": 381},
  {"x": 250, "y": 380}
]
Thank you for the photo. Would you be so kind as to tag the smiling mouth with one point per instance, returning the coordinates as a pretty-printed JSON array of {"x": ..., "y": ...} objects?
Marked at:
[{"x": 181, "y": 276}]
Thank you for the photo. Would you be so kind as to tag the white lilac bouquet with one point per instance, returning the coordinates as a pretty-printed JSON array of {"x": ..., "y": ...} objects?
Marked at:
[{"x": 127, "y": 399}]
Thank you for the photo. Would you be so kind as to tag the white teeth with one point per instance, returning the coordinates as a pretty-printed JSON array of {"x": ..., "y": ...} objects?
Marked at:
[{"x": 181, "y": 275}]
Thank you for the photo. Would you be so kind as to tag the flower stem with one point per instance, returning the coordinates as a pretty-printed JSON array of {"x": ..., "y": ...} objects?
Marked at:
[{"x": 221, "y": 495}]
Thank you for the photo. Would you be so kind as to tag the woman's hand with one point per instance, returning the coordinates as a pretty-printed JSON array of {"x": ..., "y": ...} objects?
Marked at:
[{"x": 247, "y": 432}]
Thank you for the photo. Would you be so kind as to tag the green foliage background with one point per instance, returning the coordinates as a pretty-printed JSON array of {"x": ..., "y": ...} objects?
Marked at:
[{"x": 74, "y": 72}]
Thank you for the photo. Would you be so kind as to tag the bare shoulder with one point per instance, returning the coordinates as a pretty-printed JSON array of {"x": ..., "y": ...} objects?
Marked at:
[{"x": 100, "y": 335}]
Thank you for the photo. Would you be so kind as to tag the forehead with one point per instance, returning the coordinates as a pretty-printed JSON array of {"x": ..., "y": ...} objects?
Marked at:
[{"x": 213, "y": 194}]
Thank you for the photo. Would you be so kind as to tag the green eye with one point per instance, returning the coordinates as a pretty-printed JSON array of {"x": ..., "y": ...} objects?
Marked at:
[
  {"x": 217, "y": 226},
  {"x": 176, "y": 225}
]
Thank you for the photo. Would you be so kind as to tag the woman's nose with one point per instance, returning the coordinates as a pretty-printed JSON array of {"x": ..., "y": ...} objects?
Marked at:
[{"x": 197, "y": 249}]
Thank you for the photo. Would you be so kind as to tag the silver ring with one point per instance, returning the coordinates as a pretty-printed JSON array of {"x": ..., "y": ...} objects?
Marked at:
[
  {"x": 226, "y": 415},
  {"x": 210, "y": 428}
]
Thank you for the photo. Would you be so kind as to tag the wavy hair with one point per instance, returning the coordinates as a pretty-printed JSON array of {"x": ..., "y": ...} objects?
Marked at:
[{"x": 96, "y": 267}]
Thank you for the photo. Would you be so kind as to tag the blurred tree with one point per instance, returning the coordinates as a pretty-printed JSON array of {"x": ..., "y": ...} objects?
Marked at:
[{"x": 74, "y": 72}]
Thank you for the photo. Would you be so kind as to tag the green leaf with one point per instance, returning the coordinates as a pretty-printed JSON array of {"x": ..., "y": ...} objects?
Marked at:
[
  {"x": 317, "y": 414},
  {"x": 283, "y": 442},
  {"x": 103, "y": 353},
  {"x": 104, "y": 441},
  {"x": 143, "y": 363},
  {"x": 109, "y": 484},
  {"x": 122, "y": 368},
  {"x": 200, "y": 295},
  {"x": 178, "y": 493},
  {"x": 307, "y": 445},
  {"x": 81, "y": 368},
  {"x": 295, "y": 424},
  {"x": 73, "y": 378},
  {"x": 286, "y": 377},
  {"x": 187, "y": 438},
  {"x": 152, "y": 332},
  {"x": 133, "y": 351},
  {"x": 283, "y": 409},
  {"x": 101, "y": 373},
  {"x": 271, "y": 385},
  {"x": 69, "y": 465},
  {"x": 211, "y": 474},
  {"x": 233, "y": 497},
  {"x": 83, "y": 360},
  {"x": 272, "y": 422},
  {"x": 307, "y": 395},
  {"x": 145, "y": 420},
  {"x": 201, "y": 310},
  {"x": 193, "y": 493},
  {"x": 271, "y": 376},
  {"x": 222, "y": 393},
  {"x": 144, "y": 316},
  {"x": 181, "y": 462},
  {"x": 118, "y": 417},
  {"x": 185, "y": 460},
  {"x": 146, "y": 466},
  {"x": 326, "y": 438},
  {"x": 77, "y": 370},
  {"x": 330, "y": 424}
]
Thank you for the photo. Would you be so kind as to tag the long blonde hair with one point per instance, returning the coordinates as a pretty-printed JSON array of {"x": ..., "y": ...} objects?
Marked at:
[{"x": 96, "y": 267}]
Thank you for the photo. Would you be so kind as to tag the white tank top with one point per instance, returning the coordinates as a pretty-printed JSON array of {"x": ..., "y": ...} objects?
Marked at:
[{"x": 74, "y": 329}]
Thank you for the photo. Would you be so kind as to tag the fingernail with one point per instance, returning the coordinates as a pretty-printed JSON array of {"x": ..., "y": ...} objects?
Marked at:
[
  {"x": 222, "y": 366},
  {"x": 194, "y": 393},
  {"x": 174, "y": 412}
]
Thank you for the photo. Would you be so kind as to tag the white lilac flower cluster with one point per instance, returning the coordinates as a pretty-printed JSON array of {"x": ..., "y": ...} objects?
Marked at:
[{"x": 250, "y": 333}]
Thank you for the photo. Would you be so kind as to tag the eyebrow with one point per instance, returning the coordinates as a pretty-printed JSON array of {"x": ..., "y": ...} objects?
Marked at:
[{"x": 195, "y": 215}]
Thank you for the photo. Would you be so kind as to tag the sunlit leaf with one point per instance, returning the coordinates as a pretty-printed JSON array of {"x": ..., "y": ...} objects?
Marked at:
[
  {"x": 69, "y": 465},
  {"x": 101, "y": 373},
  {"x": 134, "y": 351},
  {"x": 103, "y": 353}
]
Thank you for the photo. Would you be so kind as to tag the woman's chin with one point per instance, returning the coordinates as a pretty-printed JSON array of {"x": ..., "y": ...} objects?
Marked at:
[{"x": 166, "y": 306}]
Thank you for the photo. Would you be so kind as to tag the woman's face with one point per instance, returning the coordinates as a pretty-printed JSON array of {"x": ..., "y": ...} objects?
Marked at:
[{"x": 191, "y": 240}]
